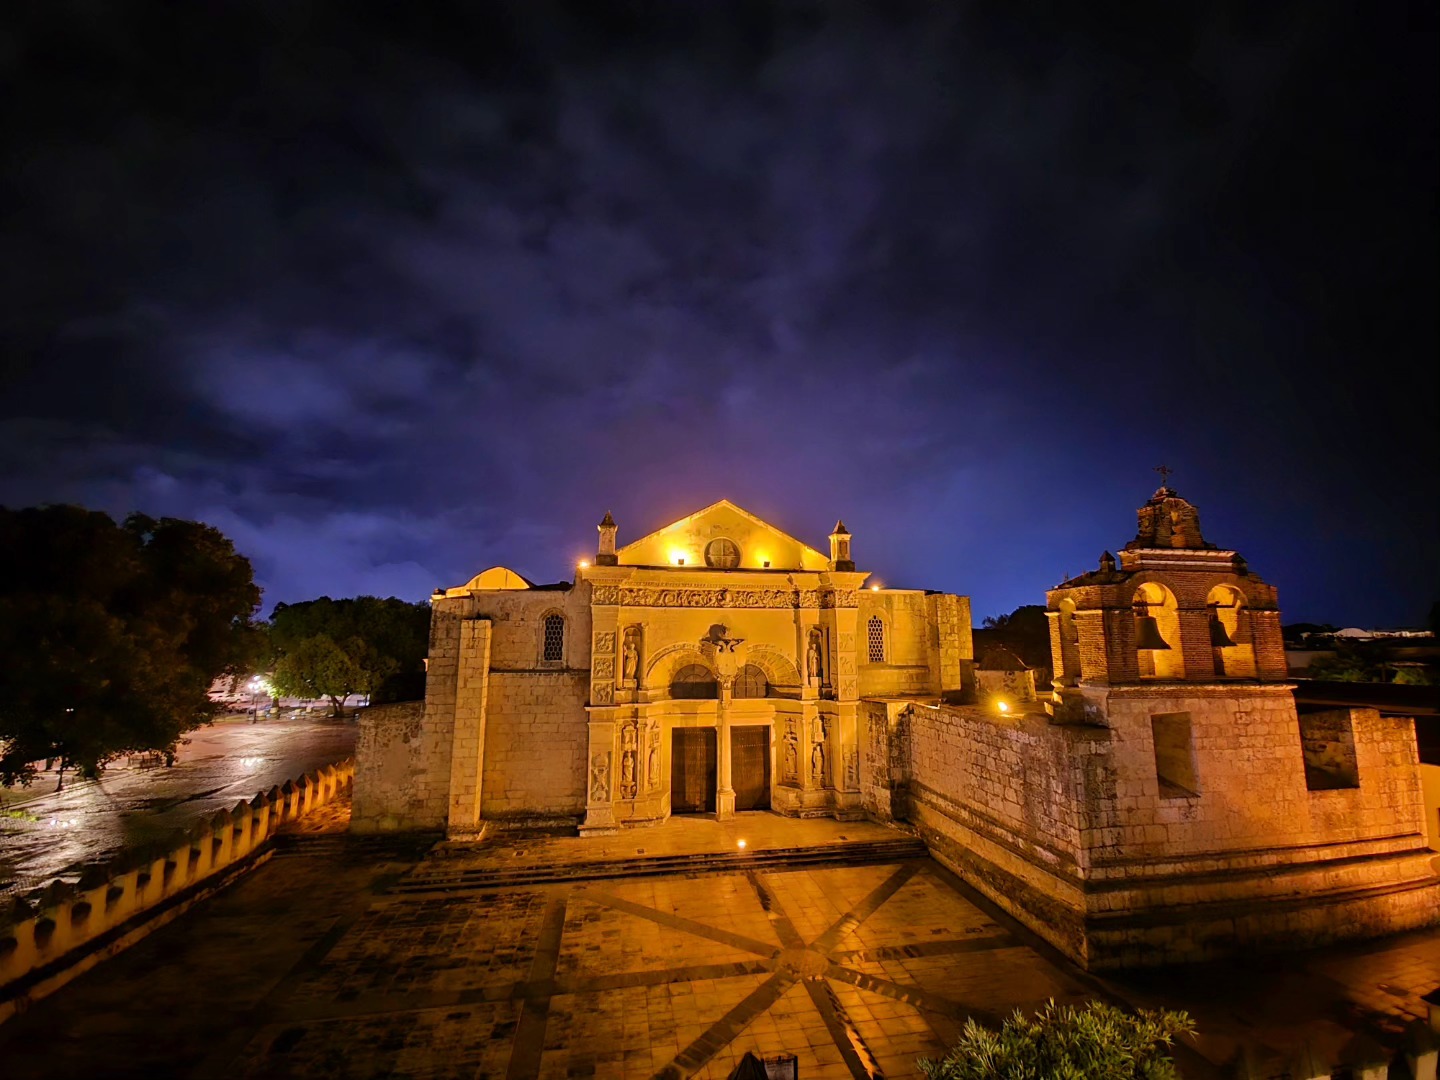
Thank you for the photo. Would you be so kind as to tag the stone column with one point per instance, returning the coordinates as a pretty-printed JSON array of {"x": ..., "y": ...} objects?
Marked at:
[
  {"x": 600, "y": 779},
  {"x": 1198, "y": 656},
  {"x": 724, "y": 789},
  {"x": 726, "y": 666},
  {"x": 467, "y": 754}
]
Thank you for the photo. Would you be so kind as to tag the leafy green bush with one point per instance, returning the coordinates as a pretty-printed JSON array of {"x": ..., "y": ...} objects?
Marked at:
[{"x": 1061, "y": 1042}]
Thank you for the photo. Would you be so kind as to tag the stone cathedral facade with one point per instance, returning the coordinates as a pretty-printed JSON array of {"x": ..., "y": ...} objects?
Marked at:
[{"x": 713, "y": 666}]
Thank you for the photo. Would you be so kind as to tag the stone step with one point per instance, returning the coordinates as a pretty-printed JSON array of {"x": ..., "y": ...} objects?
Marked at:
[
  {"x": 437, "y": 878},
  {"x": 317, "y": 845}
]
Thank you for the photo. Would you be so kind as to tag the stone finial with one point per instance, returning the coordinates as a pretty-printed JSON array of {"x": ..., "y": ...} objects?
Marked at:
[
  {"x": 1168, "y": 521},
  {"x": 840, "y": 548},
  {"x": 1107, "y": 563},
  {"x": 605, "y": 554}
]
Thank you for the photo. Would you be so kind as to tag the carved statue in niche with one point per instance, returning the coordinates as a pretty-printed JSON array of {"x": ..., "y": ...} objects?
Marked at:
[
  {"x": 630, "y": 657},
  {"x": 790, "y": 761},
  {"x": 817, "y": 763},
  {"x": 600, "y": 778},
  {"x": 628, "y": 756},
  {"x": 812, "y": 659}
]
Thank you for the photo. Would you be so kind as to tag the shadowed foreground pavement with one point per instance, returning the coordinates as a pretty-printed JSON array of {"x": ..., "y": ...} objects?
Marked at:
[
  {"x": 55, "y": 833},
  {"x": 311, "y": 967}
]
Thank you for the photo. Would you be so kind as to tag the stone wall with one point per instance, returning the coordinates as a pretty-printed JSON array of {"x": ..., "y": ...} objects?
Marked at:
[
  {"x": 999, "y": 802},
  {"x": 535, "y": 742},
  {"x": 1069, "y": 828},
  {"x": 393, "y": 759},
  {"x": 51, "y": 937}
]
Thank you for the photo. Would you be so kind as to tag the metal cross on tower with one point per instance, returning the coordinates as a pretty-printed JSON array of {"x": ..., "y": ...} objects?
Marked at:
[{"x": 1165, "y": 471}]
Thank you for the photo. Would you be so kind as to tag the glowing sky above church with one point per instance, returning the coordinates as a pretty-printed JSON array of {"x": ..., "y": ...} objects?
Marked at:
[{"x": 390, "y": 296}]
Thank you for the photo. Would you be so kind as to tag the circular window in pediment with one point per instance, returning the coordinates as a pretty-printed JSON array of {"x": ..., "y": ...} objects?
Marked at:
[{"x": 722, "y": 554}]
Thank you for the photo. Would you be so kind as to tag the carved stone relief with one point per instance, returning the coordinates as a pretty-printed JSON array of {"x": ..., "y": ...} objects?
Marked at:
[
  {"x": 653, "y": 768},
  {"x": 852, "y": 769},
  {"x": 604, "y": 643},
  {"x": 702, "y": 597},
  {"x": 600, "y": 777},
  {"x": 602, "y": 693},
  {"x": 604, "y": 667},
  {"x": 847, "y": 642}
]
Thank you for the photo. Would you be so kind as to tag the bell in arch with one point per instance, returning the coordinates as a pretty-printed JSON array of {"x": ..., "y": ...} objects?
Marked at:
[
  {"x": 1219, "y": 637},
  {"x": 1147, "y": 630}
]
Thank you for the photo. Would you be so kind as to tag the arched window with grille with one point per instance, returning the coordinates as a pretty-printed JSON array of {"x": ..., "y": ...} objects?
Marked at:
[
  {"x": 751, "y": 682},
  {"x": 694, "y": 681},
  {"x": 553, "y": 645},
  {"x": 875, "y": 637}
]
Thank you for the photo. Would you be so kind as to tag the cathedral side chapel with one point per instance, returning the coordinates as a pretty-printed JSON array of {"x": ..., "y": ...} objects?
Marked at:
[{"x": 710, "y": 667}]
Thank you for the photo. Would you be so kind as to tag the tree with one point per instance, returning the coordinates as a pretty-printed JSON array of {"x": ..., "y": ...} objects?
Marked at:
[
  {"x": 317, "y": 667},
  {"x": 111, "y": 635},
  {"x": 1350, "y": 663},
  {"x": 335, "y": 648},
  {"x": 1098, "y": 1042}
]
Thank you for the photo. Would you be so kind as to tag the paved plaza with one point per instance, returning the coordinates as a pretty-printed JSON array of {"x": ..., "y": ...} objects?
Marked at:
[
  {"x": 337, "y": 959},
  {"x": 48, "y": 834}
]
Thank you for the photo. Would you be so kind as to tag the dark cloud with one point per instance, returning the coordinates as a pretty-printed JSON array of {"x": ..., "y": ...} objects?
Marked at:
[{"x": 389, "y": 295}]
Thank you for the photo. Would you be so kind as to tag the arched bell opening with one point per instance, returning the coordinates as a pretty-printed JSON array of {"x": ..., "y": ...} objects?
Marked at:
[
  {"x": 1231, "y": 642},
  {"x": 1158, "y": 653}
]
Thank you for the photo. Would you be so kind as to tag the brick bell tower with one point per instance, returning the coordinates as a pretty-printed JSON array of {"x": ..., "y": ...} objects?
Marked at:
[
  {"x": 1213, "y": 817},
  {"x": 1173, "y": 608}
]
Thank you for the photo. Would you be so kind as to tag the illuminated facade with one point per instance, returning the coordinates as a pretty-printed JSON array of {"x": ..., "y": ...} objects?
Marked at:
[{"x": 712, "y": 666}]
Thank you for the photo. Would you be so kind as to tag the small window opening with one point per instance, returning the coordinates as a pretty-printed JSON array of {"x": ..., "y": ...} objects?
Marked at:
[
  {"x": 554, "y": 638},
  {"x": 1327, "y": 740},
  {"x": 694, "y": 681},
  {"x": 1174, "y": 755},
  {"x": 875, "y": 633},
  {"x": 751, "y": 682},
  {"x": 722, "y": 554}
]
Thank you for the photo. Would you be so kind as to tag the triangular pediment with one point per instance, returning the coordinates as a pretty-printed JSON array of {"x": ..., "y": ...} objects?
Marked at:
[{"x": 755, "y": 541}]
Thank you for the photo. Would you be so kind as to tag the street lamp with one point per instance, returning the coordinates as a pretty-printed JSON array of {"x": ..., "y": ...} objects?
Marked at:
[{"x": 255, "y": 685}]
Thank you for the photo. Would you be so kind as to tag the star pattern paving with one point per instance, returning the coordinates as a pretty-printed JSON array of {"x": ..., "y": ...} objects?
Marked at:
[{"x": 858, "y": 971}]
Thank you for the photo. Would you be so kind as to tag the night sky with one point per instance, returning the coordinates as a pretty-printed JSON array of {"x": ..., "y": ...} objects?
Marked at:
[{"x": 393, "y": 294}]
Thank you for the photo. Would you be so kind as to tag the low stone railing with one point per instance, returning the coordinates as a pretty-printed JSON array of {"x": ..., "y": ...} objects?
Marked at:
[{"x": 52, "y": 935}]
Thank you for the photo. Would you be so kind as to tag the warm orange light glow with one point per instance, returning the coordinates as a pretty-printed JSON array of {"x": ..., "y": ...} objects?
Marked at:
[
  {"x": 677, "y": 556},
  {"x": 874, "y": 588},
  {"x": 582, "y": 564},
  {"x": 1002, "y": 706},
  {"x": 741, "y": 844}
]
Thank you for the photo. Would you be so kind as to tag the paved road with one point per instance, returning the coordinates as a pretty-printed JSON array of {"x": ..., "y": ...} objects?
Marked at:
[{"x": 47, "y": 834}]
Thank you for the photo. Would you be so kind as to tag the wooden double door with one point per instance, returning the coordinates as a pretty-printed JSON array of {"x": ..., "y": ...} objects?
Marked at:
[{"x": 694, "y": 772}]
